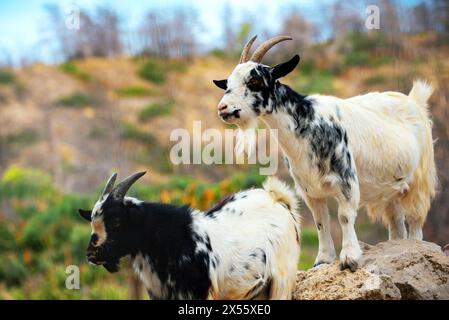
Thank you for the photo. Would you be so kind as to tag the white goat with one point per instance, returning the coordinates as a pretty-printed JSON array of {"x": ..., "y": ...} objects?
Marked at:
[{"x": 373, "y": 150}]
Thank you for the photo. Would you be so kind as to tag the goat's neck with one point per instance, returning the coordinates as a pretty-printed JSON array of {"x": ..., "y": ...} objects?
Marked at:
[{"x": 292, "y": 113}]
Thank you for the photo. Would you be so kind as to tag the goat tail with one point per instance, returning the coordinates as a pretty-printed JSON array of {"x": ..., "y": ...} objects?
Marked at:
[
  {"x": 421, "y": 92},
  {"x": 281, "y": 192},
  {"x": 422, "y": 188}
]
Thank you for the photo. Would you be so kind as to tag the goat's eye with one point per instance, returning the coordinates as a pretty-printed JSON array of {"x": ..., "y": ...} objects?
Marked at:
[{"x": 255, "y": 84}]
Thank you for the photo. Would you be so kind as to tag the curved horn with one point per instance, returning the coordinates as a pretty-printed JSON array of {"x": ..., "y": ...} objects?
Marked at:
[
  {"x": 120, "y": 190},
  {"x": 109, "y": 185},
  {"x": 267, "y": 45},
  {"x": 244, "y": 57}
]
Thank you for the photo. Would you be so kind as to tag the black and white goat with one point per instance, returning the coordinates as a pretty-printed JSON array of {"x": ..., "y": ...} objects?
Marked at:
[
  {"x": 245, "y": 247},
  {"x": 373, "y": 150}
]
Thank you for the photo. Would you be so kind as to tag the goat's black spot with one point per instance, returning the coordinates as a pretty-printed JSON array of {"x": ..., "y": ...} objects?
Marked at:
[
  {"x": 343, "y": 219},
  {"x": 311, "y": 157},
  {"x": 287, "y": 163},
  {"x": 319, "y": 226},
  {"x": 264, "y": 256},
  {"x": 207, "y": 243},
  {"x": 219, "y": 205}
]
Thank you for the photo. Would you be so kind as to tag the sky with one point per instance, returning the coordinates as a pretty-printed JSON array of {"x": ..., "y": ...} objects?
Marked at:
[{"x": 23, "y": 22}]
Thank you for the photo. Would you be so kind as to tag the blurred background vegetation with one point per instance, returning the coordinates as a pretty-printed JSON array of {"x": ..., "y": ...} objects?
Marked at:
[{"x": 108, "y": 98}]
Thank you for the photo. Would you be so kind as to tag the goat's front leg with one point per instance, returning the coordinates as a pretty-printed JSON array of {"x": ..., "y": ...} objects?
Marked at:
[
  {"x": 350, "y": 252},
  {"x": 320, "y": 212}
]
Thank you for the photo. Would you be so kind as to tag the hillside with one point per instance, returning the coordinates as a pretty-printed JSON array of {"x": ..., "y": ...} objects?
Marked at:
[{"x": 65, "y": 128}]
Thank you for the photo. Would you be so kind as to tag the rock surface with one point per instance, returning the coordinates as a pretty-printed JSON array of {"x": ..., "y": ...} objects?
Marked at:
[{"x": 399, "y": 269}]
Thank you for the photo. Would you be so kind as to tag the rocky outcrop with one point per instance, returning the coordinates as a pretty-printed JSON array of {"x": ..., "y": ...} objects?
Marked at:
[{"x": 399, "y": 269}]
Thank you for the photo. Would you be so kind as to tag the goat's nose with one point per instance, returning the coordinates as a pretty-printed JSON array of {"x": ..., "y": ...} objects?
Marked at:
[{"x": 222, "y": 106}]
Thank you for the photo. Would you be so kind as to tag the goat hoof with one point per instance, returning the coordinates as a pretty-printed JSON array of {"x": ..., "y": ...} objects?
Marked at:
[
  {"x": 351, "y": 265},
  {"x": 349, "y": 258},
  {"x": 320, "y": 264}
]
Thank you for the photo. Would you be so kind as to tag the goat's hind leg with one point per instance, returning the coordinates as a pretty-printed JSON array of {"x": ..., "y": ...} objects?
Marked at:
[
  {"x": 395, "y": 219},
  {"x": 415, "y": 228},
  {"x": 320, "y": 212},
  {"x": 281, "y": 288}
]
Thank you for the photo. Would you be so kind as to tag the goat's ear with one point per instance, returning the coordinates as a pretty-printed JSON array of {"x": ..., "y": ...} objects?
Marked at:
[
  {"x": 85, "y": 214},
  {"x": 281, "y": 70},
  {"x": 222, "y": 84}
]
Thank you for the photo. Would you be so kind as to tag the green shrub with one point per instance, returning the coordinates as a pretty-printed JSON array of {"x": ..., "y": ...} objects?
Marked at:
[
  {"x": 378, "y": 61},
  {"x": 71, "y": 68},
  {"x": 23, "y": 138},
  {"x": 23, "y": 183},
  {"x": 318, "y": 82},
  {"x": 79, "y": 238},
  {"x": 7, "y": 239},
  {"x": 155, "y": 110},
  {"x": 156, "y": 156},
  {"x": 106, "y": 291},
  {"x": 134, "y": 91},
  {"x": 12, "y": 269},
  {"x": 67, "y": 205},
  {"x": 76, "y": 100},
  {"x": 33, "y": 233},
  {"x": 307, "y": 67},
  {"x": 363, "y": 41},
  {"x": 6, "y": 77},
  {"x": 357, "y": 58},
  {"x": 247, "y": 180},
  {"x": 153, "y": 71},
  {"x": 131, "y": 132}
]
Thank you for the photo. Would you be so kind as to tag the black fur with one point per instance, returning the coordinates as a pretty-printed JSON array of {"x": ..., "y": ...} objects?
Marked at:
[
  {"x": 281, "y": 70},
  {"x": 222, "y": 84},
  {"x": 85, "y": 214},
  {"x": 163, "y": 234},
  {"x": 167, "y": 237}
]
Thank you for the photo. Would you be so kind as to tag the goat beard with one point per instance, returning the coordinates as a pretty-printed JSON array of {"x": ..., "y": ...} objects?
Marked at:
[{"x": 246, "y": 138}]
